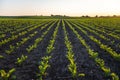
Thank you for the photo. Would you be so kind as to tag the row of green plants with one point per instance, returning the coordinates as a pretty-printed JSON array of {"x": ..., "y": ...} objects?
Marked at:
[
  {"x": 102, "y": 46},
  {"x": 102, "y": 28},
  {"x": 72, "y": 67},
  {"x": 27, "y": 27},
  {"x": 9, "y": 75},
  {"x": 114, "y": 54},
  {"x": 13, "y": 26},
  {"x": 44, "y": 63},
  {"x": 19, "y": 29},
  {"x": 9, "y": 25},
  {"x": 23, "y": 40},
  {"x": 13, "y": 37},
  {"x": 107, "y": 25},
  {"x": 38, "y": 40},
  {"x": 92, "y": 31},
  {"x": 98, "y": 33},
  {"x": 12, "y": 48},
  {"x": 109, "y": 36},
  {"x": 52, "y": 41},
  {"x": 94, "y": 55}
]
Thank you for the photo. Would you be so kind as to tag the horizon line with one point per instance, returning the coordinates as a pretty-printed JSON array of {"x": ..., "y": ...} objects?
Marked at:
[{"x": 63, "y": 15}]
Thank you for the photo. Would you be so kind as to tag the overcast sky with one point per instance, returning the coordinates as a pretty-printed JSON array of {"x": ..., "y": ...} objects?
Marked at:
[{"x": 61, "y": 7}]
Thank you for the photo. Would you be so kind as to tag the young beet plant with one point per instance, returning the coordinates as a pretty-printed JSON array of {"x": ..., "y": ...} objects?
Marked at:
[
  {"x": 11, "y": 49},
  {"x": 101, "y": 63},
  {"x": 31, "y": 47},
  {"x": 2, "y": 35},
  {"x": 50, "y": 47},
  {"x": 6, "y": 76},
  {"x": 21, "y": 60},
  {"x": 114, "y": 76},
  {"x": 1, "y": 57},
  {"x": 43, "y": 67}
]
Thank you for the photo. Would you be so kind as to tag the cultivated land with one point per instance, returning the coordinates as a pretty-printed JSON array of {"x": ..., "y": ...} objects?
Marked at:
[{"x": 60, "y": 49}]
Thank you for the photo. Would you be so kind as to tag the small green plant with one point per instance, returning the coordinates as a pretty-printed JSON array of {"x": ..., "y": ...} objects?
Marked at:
[
  {"x": 43, "y": 67},
  {"x": 10, "y": 50},
  {"x": 101, "y": 63},
  {"x": 114, "y": 76},
  {"x": 2, "y": 35},
  {"x": 106, "y": 70},
  {"x": 30, "y": 48},
  {"x": 81, "y": 74},
  {"x": 1, "y": 57},
  {"x": 21, "y": 60},
  {"x": 5, "y": 75},
  {"x": 93, "y": 54},
  {"x": 50, "y": 46}
]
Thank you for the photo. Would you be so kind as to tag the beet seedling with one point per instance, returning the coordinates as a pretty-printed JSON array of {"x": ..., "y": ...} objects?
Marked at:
[
  {"x": 21, "y": 60},
  {"x": 1, "y": 57},
  {"x": 4, "y": 75},
  {"x": 43, "y": 67},
  {"x": 114, "y": 76}
]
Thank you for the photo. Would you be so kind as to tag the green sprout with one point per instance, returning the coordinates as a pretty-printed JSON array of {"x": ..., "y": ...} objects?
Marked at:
[{"x": 5, "y": 75}]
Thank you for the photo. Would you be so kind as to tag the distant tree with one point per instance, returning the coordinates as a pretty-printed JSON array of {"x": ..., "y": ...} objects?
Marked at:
[
  {"x": 96, "y": 16},
  {"x": 87, "y": 16},
  {"x": 52, "y": 15},
  {"x": 82, "y": 16},
  {"x": 114, "y": 16}
]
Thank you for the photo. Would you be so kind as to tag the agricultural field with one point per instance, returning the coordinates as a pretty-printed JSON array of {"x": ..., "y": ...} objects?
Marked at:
[{"x": 60, "y": 49}]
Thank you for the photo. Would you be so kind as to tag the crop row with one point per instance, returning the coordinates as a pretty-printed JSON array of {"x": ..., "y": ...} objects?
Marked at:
[
  {"x": 103, "y": 46},
  {"x": 44, "y": 63},
  {"x": 70, "y": 56},
  {"x": 94, "y": 55}
]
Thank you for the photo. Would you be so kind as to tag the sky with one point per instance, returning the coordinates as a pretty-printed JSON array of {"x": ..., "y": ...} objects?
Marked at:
[{"x": 59, "y": 7}]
